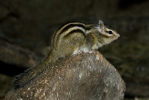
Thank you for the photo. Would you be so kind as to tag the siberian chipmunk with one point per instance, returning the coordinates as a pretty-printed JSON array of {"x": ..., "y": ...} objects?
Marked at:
[{"x": 68, "y": 40}]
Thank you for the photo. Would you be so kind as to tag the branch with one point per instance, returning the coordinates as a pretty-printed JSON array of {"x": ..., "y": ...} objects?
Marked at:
[{"x": 15, "y": 55}]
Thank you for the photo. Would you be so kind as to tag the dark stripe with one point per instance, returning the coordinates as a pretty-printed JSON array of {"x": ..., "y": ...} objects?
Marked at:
[
  {"x": 66, "y": 27},
  {"x": 73, "y": 25},
  {"x": 75, "y": 31}
]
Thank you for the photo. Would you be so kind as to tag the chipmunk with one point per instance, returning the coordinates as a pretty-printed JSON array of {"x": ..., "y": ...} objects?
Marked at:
[{"x": 68, "y": 40}]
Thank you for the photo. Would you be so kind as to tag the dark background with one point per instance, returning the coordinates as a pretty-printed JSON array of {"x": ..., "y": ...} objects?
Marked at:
[{"x": 29, "y": 24}]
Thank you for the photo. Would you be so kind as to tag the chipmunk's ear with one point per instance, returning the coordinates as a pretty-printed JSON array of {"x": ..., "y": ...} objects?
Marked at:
[{"x": 101, "y": 26}]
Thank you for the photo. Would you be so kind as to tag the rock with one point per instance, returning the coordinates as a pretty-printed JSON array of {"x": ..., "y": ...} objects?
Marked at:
[{"x": 80, "y": 77}]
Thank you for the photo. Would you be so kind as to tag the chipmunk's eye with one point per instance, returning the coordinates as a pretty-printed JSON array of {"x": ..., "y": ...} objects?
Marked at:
[{"x": 110, "y": 32}]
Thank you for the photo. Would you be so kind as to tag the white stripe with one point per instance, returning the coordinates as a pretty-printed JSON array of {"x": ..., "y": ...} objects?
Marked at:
[{"x": 74, "y": 28}]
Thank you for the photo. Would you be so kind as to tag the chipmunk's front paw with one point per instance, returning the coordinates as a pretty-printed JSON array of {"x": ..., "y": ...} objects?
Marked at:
[
  {"x": 92, "y": 51},
  {"x": 79, "y": 52}
]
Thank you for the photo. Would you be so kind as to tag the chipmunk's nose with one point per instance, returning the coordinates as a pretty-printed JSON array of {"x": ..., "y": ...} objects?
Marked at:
[{"x": 118, "y": 35}]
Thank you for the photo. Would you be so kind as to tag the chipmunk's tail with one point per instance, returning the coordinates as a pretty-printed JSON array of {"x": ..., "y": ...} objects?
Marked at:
[{"x": 30, "y": 74}]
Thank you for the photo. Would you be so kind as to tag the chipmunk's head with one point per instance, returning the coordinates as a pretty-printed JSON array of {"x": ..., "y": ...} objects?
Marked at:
[{"x": 108, "y": 35}]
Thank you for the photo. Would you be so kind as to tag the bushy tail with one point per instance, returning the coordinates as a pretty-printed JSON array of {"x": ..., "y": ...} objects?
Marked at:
[{"x": 30, "y": 74}]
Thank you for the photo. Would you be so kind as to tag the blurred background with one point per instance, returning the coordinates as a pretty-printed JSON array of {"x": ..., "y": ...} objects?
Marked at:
[{"x": 26, "y": 27}]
